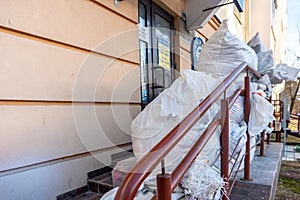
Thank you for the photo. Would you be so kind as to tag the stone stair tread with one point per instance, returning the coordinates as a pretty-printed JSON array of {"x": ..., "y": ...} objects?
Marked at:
[
  {"x": 102, "y": 179},
  {"x": 88, "y": 196},
  {"x": 99, "y": 172}
]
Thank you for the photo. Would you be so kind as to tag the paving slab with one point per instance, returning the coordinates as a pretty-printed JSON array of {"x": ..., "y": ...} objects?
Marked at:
[{"x": 264, "y": 173}]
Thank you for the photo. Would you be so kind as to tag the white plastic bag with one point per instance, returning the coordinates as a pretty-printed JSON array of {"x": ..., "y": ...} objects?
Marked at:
[
  {"x": 121, "y": 169},
  {"x": 265, "y": 61},
  {"x": 224, "y": 52},
  {"x": 236, "y": 112},
  {"x": 265, "y": 85},
  {"x": 283, "y": 72},
  {"x": 261, "y": 114},
  {"x": 238, "y": 158},
  {"x": 237, "y": 131},
  {"x": 264, "y": 57},
  {"x": 256, "y": 44},
  {"x": 160, "y": 117}
]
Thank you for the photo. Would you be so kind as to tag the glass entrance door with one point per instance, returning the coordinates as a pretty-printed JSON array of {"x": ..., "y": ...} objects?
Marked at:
[
  {"x": 156, "y": 57},
  {"x": 162, "y": 24}
]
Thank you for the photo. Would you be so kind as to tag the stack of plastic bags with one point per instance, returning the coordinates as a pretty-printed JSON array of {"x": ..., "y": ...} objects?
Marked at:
[
  {"x": 219, "y": 57},
  {"x": 277, "y": 73}
]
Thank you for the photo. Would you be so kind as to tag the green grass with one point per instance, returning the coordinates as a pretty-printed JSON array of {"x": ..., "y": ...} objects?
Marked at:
[
  {"x": 290, "y": 184},
  {"x": 289, "y": 181},
  {"x": 293, "y": 125},
  {"x": 289, "y": 138},
  {"x": 292, "y": 139}
]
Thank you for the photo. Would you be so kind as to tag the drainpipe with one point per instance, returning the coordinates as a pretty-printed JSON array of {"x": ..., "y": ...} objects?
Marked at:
[{"x": 247, "y": 20}]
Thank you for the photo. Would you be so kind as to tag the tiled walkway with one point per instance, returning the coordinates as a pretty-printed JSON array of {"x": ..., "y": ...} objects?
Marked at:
[{"x": 290, "y": 153}]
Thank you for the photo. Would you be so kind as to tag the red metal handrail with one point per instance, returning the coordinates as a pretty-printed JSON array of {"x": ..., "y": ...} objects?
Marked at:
[
  {"x": 148, "y": 163},
  {"x": 193, "y": 153}
]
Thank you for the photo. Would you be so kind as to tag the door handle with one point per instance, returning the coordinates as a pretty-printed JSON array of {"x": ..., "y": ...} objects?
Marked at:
[{"x": 158, "y": 87}]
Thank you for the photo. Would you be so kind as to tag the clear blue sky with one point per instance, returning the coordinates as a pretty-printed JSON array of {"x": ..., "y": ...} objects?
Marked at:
[{"x": 293, "y": 40}]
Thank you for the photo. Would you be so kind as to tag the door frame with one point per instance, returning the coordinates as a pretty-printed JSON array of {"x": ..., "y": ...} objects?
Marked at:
[{"x": 152, "y": 47}]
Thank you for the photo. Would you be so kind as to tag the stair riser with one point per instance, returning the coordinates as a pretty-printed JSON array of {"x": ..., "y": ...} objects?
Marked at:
[{"x": 99, "y": 188}]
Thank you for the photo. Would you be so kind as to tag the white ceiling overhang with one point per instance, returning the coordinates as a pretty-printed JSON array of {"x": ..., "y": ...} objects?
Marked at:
[{"x": 195, "y": 16}]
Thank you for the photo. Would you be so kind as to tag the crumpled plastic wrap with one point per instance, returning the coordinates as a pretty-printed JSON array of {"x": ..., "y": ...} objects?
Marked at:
[
  {"x": 261, "y": 114},
  {"x": 282, "y": 72},
  {"x": 277, "y": 73},
  {"x": 202, "y": 181},
  {"x": 265, "y": 61}
]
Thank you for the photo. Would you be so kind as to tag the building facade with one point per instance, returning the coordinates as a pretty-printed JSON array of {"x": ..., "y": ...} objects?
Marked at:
[{"x": 75, "y": 73}]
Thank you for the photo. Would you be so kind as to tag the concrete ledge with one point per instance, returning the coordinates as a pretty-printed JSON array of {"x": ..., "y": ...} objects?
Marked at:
[{"x": 264, "y": 172}]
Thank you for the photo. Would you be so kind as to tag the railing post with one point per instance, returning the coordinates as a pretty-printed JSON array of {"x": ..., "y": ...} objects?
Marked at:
[
  {"x": 164, "y": 187},
  {"x": 278, "y": 136},
  {"x": 225, "y": 145},
  {"x": 247, "y": 114},
  {"x": 262, "y": 143},
  {"x": 268, "y": 138}
]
